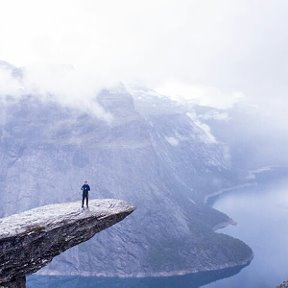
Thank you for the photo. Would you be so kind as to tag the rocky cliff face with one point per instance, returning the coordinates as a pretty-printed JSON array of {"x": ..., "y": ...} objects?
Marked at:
[
  {"x": 151, "y": 154},
  {"x": 283, "y": 285},
  {"x": 30, "y": 240}
]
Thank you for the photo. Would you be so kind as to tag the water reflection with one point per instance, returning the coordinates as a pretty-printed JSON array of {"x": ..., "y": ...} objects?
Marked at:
[{"x": 186, "y": 281}]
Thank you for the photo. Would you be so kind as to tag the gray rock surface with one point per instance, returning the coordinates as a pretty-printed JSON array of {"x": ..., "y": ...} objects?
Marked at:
[
  {"x": 283, "y": 285},
  {"x": 30, "y": 240}
]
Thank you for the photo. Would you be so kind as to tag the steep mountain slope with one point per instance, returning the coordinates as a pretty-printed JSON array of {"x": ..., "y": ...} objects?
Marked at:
[{"x": 159, "y": 159}]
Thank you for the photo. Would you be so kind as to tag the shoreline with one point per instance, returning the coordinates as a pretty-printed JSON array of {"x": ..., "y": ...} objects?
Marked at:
[
  {"x": 251, "y": 175},
  {"x": 223, "y": 267},
  {"x": 218, "y": 193},
  {"x": 224, "y": 224}
]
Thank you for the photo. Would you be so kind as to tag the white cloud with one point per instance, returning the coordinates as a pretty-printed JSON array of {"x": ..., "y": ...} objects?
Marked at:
[
  {"x": 206, "y": 135},
  {"x": 57, "y": 83},
  {"x": 212, "y": 47},
  {"x": 216, "y": 115},
  {"x": 206, "y": 96},
  {"x": 9, "y": 85}
]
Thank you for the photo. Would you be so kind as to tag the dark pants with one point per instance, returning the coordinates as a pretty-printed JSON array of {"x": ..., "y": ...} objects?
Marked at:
[{"x": 85, "y": 196}]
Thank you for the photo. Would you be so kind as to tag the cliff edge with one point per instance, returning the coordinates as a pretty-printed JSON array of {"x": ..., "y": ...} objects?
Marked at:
[
  {"x": 30, "y": 240},
  {"x": 283, "y": 285}
]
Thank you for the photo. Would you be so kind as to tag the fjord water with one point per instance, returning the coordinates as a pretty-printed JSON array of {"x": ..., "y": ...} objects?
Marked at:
[{"x": 261, "y": 213}]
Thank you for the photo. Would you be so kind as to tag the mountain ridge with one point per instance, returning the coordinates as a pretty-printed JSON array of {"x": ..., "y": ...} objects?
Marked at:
[{"x": 159, "y": 161}]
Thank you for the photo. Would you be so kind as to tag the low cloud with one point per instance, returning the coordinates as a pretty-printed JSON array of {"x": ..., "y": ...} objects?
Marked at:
[
  {"x": 62, "y": 83},
  {"x": 212, "y": 48},
  {"x": 202, "y": 95},
  {"x": 10, "y": 85}
]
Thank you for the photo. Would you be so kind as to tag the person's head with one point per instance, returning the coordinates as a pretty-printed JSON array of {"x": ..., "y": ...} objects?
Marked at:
[{"x": 85, "y": 181}]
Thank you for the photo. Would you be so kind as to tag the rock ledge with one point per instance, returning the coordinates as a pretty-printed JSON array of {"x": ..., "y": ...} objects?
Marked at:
[{"x": 30, "y": 240}]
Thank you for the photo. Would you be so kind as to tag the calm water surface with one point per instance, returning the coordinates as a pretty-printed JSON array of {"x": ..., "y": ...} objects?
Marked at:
[
  {"x": 262, "y": 222},
  {"x": 261, "y": 214}
]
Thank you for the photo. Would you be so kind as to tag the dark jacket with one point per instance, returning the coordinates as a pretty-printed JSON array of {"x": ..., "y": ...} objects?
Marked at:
[{"x": 85, "y": 188}]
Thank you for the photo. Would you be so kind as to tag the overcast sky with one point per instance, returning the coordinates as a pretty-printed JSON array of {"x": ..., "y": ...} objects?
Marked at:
[{"x": 213, "y": 50}]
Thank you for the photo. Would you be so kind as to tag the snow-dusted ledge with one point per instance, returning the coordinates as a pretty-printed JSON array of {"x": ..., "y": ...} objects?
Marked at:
[{"x": 30, "y": 240}]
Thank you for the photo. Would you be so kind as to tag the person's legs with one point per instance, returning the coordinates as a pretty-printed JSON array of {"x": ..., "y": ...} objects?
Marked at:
[
  {"x": 87, "y": 200},
  {"x": 83, "y": 197}
]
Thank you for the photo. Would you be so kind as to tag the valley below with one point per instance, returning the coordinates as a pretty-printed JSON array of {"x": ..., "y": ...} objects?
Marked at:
[
  {"x": 165, "y": 158},
  {"x": 260, "y": 212}
]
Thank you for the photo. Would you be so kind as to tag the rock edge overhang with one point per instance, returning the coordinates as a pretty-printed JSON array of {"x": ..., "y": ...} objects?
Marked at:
[{"x": 29, "y": 240}]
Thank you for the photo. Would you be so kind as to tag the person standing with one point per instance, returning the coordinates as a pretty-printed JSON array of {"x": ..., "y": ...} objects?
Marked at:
[{"x": 85, "y": 189}]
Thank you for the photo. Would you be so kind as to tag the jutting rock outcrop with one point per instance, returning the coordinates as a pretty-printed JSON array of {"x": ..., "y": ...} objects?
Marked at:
[{"x": 30, "y": 240}]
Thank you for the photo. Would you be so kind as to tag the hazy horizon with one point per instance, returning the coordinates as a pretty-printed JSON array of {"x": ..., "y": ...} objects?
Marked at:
[{"x": 214, "y": 52}]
